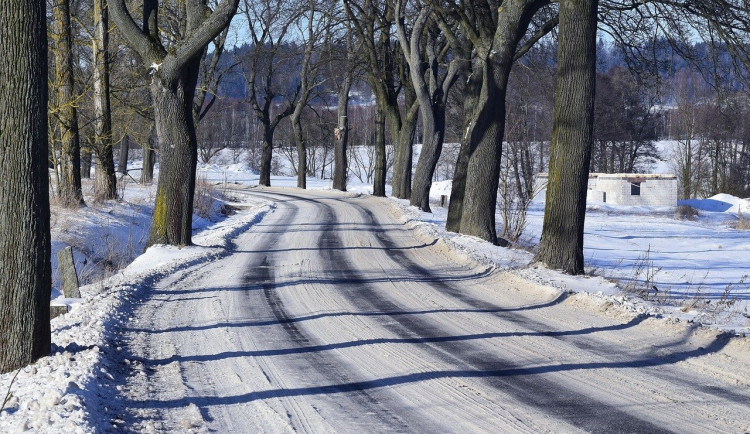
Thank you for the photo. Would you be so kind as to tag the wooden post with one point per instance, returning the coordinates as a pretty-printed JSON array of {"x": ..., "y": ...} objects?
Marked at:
[{"x": 68, "y": 275}]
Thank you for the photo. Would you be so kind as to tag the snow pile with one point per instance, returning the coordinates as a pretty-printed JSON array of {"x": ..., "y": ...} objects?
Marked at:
[
  {"x": 104, "y": 237},
  {"x": 720, "y": 203},
  {"x": 108, "y": 236}
]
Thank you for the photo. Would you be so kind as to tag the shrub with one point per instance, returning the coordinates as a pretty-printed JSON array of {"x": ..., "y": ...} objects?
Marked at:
[{"x": 685, "y": 212}]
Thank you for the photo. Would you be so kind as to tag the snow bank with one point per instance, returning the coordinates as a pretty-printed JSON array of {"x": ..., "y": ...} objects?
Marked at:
[
  {"x": 720, "y": 203},
  {"x": 67, "y": 391}
]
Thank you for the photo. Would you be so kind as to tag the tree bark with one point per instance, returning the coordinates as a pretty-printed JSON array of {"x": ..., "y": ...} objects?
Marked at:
[
  {"x": 387, "y": 72},
  {"x": 122, "y": 162},
  {"x": 340, "y": 169},
  {"x": 149, "y": 158},
  {"x": 402, "y": 129},
  {"x": 433, "y": 122},
  {"x": 431, "y": 91},
  {"x": 69, "y": 188},
  {"x": 378, "y": 188},
  {"x": 266, "y": 156},
  {"x": 458, "y": 188},
  {"x": 304, "y": 92},
  {"x": 561, "y": 246},
  {"x": 25, "y": 274},
  {"x": 173, "y": 212},
  {"x": 301, "y": 143},
  {"x": 105, "y": 186}
]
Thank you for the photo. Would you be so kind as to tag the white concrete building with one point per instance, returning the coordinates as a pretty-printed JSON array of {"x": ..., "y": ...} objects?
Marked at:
[{"x": 634, "y": 189}]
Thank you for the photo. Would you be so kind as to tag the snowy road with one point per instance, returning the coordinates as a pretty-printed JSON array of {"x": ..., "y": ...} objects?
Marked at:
[{"x": 331, "y": 316}]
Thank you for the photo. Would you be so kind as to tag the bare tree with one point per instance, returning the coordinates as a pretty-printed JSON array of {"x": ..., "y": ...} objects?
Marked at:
[
  {"x": 496, "y": 31},
  {"x": 341, "y": 133},
  {"x": 269, "y": 23},
  {"x": 388, "y": 76},
  {"x": 315, "y": 23},
  {"x": 25, "y": 276},
  {"x": 106, "y": 181},
  {"x": 69, "y": 183},
  {"x": 174, "y": 70},
  {"x": 425, "y": 50}
]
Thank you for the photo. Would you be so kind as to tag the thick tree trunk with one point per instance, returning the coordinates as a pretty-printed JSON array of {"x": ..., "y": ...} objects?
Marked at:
[
  {"x": 483, "y": 165},
  {"x": 69, "y": 188},
  {"x": 25, "y": 274},
  {"x": 561, "y": 246},
  {"x": 378, "y": 188},
  {"x": 299, "y": 138},
  {"x": 173, "y": 212},
  {"x": 422, "y": 52},
  {"x": 106, "y": 180},
  {"x": 174, "y": 75},
  {"x": 340, "y": 167},
  {"x": 402, "y": 128},
  {"x": 433, "y": 120},
  {"x": 458, "y": 189},
  {"x": 488, "y": 123},
  {"x": 266, "y": 156}
]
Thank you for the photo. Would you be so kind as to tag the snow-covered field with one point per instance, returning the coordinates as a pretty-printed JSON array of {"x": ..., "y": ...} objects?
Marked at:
[{"x": 686, "y": 270}]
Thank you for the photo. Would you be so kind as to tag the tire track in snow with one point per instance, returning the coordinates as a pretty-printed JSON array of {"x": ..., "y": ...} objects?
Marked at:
[
  {"x": 470, "y": 361},
  {"x": 585, "y": 343},
  {"x": 326, "y": 367},
  {"x": 532, "y": 390}
]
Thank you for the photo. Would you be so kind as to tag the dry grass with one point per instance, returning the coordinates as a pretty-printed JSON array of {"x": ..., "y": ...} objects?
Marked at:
[
  {"x": 743, "y": 223},
  {"x": 643, "y": 277},
  {"x": 203, "y": 200},
  {"x": 685, "y": 212}
]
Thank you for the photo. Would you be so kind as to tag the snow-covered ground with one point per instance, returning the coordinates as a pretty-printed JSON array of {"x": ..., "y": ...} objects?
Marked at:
[{"x": 697, "y": 267}]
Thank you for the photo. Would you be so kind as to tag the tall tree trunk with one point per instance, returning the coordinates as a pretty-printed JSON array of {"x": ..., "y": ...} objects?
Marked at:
[
  {"x": 106, "y": 180},
  {"x": 299, "y": 138},
  {"x": 266, "y": 156},
  {"x": 483, "y": 165},
  {"x": 430, "y": 88},
  {"x": 69, "y": 188},
  {"x": 472, "y": 92},
  {"x": 25, "y": 274},
  {"x": 488, "y": 121},
  {"x": 402, "y": 128},
  {"x": 340, "y": 169},
  {"x": 173, "y": 101},
  {"x": 122, "y": 163},
  {"x": 174, "y": 75},
  {"x": 480, "y": 160},
  {"x": 378, "y": 188},
  {"x": 433, "y": 121},
  {"x": 561, "y": 246}
]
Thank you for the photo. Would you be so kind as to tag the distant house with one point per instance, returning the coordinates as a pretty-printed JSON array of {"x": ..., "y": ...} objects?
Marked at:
[{"x": 634, "y": 189}]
